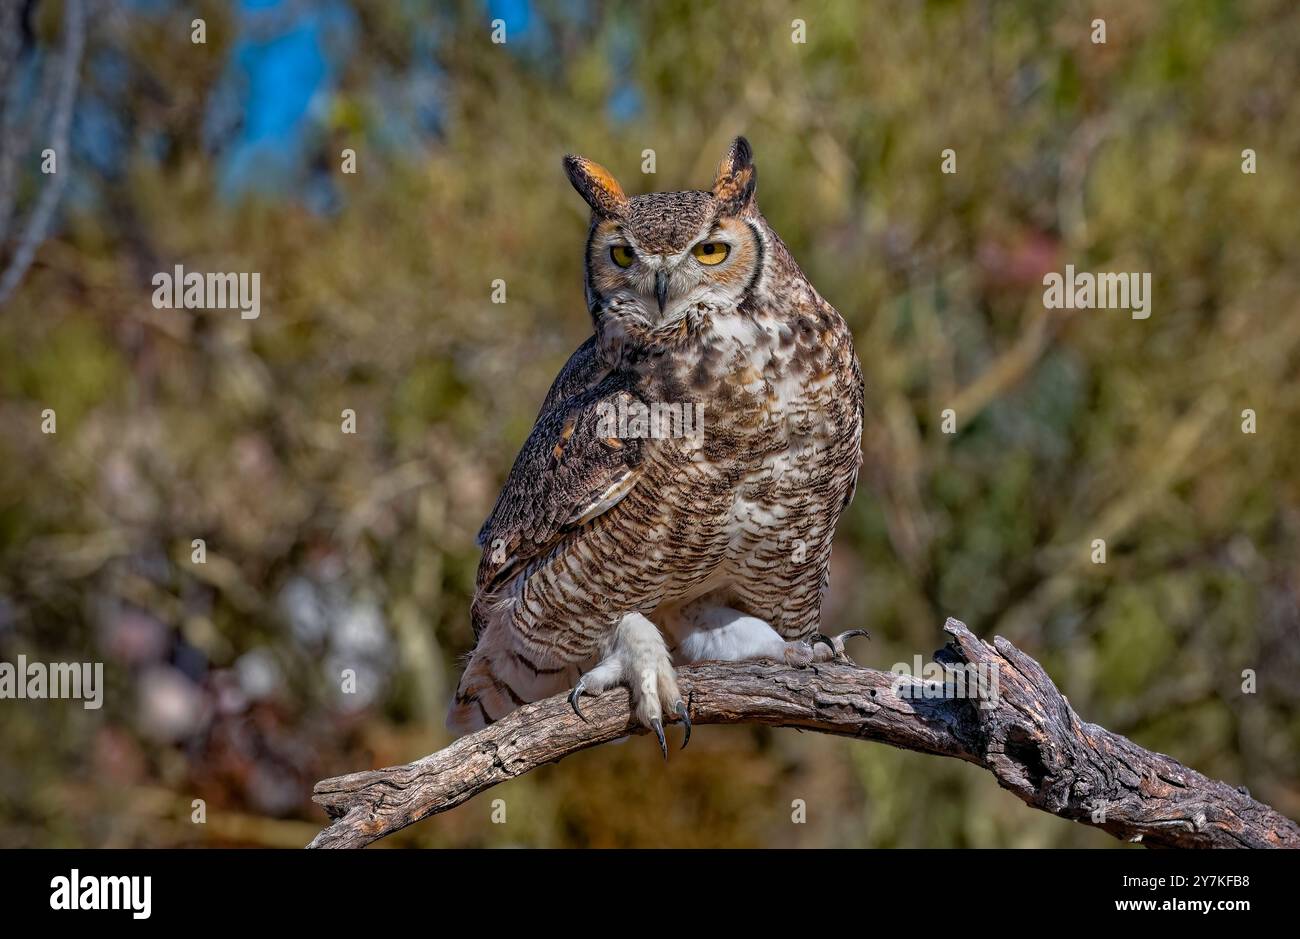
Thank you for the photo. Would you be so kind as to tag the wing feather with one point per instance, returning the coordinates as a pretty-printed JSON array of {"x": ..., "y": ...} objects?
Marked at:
[{"x": 567, "y": 474}]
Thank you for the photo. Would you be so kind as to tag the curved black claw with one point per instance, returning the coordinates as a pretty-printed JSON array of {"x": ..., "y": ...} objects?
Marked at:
[
  {"x": 681, "y": 710},
  {"x": 577, "y": 691},
  {"x": 658, "y": 726},
  {"x": 818, "y": 637},
  {"x": 842, "y": 639}
]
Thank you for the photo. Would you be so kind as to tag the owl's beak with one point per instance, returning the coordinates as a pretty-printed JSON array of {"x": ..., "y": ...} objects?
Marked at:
[{"x": 661, "y": 288}]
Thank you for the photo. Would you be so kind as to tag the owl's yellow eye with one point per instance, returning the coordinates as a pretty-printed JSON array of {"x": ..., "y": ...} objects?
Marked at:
[
  {"x": 711, "y": 252},
  {"x": 622, "y": 255}
]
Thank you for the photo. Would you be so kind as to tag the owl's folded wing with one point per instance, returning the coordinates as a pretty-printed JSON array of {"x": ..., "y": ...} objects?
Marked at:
[
  {"x": 573, "y": 468},
  {"x": 584, "y": 370}
]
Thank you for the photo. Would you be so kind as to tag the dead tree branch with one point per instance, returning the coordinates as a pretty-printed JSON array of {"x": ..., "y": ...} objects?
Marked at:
[{"x": 1027, "y": 735}]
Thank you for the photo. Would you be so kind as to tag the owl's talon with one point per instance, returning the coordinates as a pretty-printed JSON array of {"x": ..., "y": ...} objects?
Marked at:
[
  {"x": 836, "y": 645},
  {"x": 658, "y": 727},
  {"x": 682, "y": 712},
  {"x": 637, "y": 659},
  {"x": 576, "y": 693},
  {"x": 826, "y": 640}
]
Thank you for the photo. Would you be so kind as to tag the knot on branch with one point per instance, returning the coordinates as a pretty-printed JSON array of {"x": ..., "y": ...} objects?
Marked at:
[{"x": 1037, "y": 747}]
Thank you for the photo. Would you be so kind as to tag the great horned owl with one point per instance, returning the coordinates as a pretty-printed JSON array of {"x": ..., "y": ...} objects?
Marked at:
[{"x": 677, "y": 496}]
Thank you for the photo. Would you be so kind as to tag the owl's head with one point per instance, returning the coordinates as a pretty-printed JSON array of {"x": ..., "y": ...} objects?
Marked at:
[{"x": 667, "y": 250}]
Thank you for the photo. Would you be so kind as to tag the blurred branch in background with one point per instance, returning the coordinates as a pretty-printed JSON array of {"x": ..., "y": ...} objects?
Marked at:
[
  {"x": 14, "y": 142},
  {"x": 1017, "y": 726}
]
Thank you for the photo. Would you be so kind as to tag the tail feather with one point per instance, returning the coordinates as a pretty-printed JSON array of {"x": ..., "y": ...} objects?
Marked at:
[{"x": 500, "y": 677}]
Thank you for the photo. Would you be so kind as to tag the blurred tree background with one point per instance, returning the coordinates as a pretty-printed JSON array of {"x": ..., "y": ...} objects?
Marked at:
[{"x": 328, "y": 551}]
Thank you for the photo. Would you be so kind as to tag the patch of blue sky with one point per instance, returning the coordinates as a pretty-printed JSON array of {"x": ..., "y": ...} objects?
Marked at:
[
  {"x": 282, "y": 72},
  {"x": 406, "y": 109},
  {"x": 625, "y": 102},
  {"x": 527, "y": 34}
]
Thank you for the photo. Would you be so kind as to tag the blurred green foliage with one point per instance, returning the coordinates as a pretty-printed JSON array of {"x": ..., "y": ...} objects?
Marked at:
[{"x": 327, "y": 551}]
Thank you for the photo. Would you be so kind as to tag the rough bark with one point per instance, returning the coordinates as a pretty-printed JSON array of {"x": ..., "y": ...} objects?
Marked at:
[{"x": 1028, "y": 736}]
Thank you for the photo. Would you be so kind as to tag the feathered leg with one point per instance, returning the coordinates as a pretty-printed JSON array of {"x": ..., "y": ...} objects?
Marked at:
[{"x": 638, "y": 658}]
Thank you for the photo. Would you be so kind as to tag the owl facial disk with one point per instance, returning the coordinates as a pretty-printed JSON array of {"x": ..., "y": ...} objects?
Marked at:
[{"x": 714, "y": 267}]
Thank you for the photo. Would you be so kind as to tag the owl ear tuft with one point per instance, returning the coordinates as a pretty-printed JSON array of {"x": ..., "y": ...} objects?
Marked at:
[
  {"x": 737, "y": 177},
  {"x": 597, "y": 185}
]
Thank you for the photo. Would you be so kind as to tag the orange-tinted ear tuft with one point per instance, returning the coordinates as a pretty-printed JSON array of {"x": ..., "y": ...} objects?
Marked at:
[
  {"x": 737, "y": 178},
  {"x": 597, "y": 185}
]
